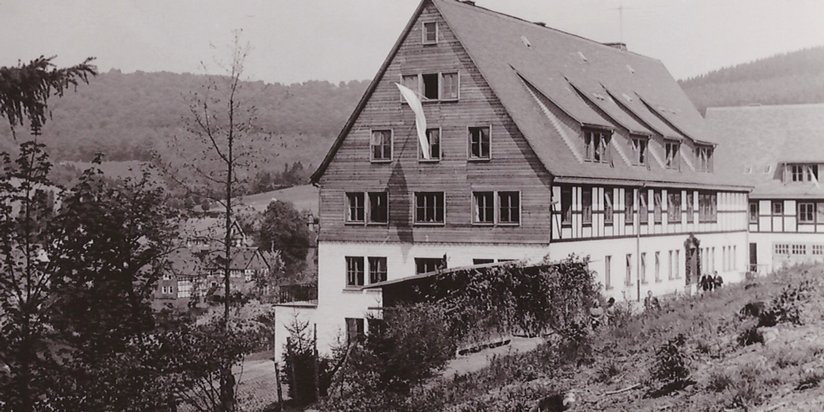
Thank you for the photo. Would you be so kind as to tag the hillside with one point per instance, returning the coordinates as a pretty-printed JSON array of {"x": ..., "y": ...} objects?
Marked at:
[
  {"x": 125, "y": 116},
  {"x": 789, "y": 78}
]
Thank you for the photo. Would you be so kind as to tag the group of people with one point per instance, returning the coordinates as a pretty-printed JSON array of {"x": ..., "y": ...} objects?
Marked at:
[
  {"x": 598, "y": 314},
  {"x": 709, "y": 282}
]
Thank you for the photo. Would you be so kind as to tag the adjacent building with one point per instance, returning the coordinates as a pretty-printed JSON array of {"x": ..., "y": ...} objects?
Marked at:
[
  {"x": 779, "y": 150},
  {"x": 543, "y": 143}
]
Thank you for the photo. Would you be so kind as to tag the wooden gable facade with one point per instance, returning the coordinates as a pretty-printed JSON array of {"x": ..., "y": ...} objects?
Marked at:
[{"x": 512, "y": 165}]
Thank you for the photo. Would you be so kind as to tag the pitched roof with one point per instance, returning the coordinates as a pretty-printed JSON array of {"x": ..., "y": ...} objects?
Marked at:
[
  {"x": 757, "y": 140},
  {"x": 594, "y": 84}
]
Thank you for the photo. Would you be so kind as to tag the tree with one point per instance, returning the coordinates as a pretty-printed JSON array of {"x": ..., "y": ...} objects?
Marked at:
[
  {"x": 283, "y": 228},
  {"x": 26, "y": 89}
]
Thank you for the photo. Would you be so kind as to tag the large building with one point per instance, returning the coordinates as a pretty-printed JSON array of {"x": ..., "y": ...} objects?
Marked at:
[
  {"x": 543, "y": 143},
  {"x": 778, "y": 150}
]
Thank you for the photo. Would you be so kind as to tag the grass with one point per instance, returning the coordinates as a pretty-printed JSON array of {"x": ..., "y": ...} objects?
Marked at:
[{"x": 785, "y": 371}]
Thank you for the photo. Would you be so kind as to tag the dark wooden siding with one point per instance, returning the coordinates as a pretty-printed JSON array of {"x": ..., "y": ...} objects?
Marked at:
[{"x": 513, "y": 165}]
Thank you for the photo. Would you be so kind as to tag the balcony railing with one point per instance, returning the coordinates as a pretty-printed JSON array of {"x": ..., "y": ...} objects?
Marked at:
[{"x": 299, "y": 292}]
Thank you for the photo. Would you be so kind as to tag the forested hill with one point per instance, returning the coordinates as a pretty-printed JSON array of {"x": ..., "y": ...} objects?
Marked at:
[
  {"x": 790, "y": 78},
  {"x": 125, "y": 115}
]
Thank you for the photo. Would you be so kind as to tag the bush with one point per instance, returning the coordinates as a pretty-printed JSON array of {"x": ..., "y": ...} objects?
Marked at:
[
  {"x": 786, "y": 307},
  {"x": 719, "y": 381},
  {"x": 670, "y": 368}
]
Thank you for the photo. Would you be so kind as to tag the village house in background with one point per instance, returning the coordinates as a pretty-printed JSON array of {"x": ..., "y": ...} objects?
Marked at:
[
  {"x": 779, "y": 150},
  {"x": 543, "y": 143}
]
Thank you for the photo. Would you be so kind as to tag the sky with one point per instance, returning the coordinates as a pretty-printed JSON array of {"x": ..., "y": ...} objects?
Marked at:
[{"x": 338, "y": 40}]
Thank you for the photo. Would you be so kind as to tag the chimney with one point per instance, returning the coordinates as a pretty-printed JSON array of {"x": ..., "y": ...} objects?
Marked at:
[
  {"x": 617, "y": 45},
  {"x": 540, "y": 23}
]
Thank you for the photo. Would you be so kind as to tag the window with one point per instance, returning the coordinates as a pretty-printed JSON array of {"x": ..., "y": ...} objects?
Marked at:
[
  {"x": 797, "y": 173},
  {"x": 674, "y": 206},
  {"x": 753, "y": 212},
  {"x": 566, "y": 206},
  {"x": 677, "y": 264},
  {"x": 609, "y": 194},
  {"x": 509, "y": 207},
  {"x": 799, "y": 249},
  {"x": 703, "y": 156},
  {"x": 484, "y": 207},
  {"x": 450, "y": 86},
  {"x": 378, "y": 207},
  {"x": 628, "y": 277},
  {"x": 629, "y": 204},
  {"x": 643, "y": 273},
  {"x": 431, "y": 86},
  {"x": 586, "y": 205},
  {"x": 426, "y": 265},
  {"x": 777, "y": 207},
  {"x": 656, "y": 204},
  {"x": 377, "y": 269},
  {"x": 782, "y": 249},
  {"x": 479, "y": 142},
  {"x": 802, "y": 172},
  {"x": 639, "y": 150},
  {"x": 806, "y": 212},
  {"x": 643, "y": 209},
  {"x": 707, "y": 207},
  {"x": 354, "y": 329},
  {"x": 354, "y": 271},
  {"x": 434, "y": 138},
  {"x": 381, "y": 146},
  {"x": 820, "y": 210},
  {"x": 669, "y": 266},
  {"x": 608, "y": 272},
  {"x": 818, "y": 249},
  {"x": 657, "y": 266},
  {"x": 355, "y": 210},
  {"x": 429, "y": 207},
  {"x": 411, "y": 82},
  {"x": 690, "y": 206},
  {"x": 671, "y": 149},
  {"x": 482, "y": 261},
  {"x": 596, "y": 146},
  {"x": 430, "y": 32}
]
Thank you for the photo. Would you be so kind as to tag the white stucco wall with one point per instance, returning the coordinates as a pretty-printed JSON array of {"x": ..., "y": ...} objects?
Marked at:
[{"x": 768, "y": 260}]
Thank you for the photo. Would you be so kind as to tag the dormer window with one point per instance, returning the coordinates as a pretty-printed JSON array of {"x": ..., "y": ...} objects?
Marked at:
[
  {"x": 596, "y": 146},
  {"x": 802, "y": 173},
  {"x": 672, "y": 149},
  {"x": 639, "y": 150},
  {"x": 430, "y": 32},
  {"x": 703, "y": 156}
]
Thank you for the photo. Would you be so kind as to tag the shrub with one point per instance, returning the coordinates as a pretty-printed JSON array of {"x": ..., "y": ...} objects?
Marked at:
[
  {"x": 719, "y": 381},
  {"x": 750, "y": 335},
  {"x": 670, "y": 367},
  {"x": 786, "y": 307},
  {"x": 299, "y": 364},
  {"x": 809, "y": 378}
]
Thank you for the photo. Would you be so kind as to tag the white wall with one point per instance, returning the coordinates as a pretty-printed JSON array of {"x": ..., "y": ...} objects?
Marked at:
[{"x": 768, "y": 260}]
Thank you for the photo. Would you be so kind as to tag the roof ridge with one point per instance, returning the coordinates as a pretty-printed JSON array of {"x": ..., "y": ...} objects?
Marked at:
[
  {"x": 532, "y": 23},
  {"x": 764, "y": 106}
]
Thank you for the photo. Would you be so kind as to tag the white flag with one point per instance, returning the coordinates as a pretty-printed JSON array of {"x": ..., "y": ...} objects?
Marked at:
[{"x": 420, "y": 120}]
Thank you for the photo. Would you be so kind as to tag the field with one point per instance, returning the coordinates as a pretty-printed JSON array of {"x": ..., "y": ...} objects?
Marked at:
[{"x": 726, "y": 361}]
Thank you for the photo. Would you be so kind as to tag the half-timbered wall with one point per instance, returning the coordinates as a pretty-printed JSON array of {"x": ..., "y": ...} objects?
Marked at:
[
  {"x": 512, "y": 167},
  {"x": 780, "y": 237}
]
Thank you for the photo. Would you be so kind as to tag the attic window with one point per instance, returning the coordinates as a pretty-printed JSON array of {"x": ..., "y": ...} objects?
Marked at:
[
  {"x": 631, "y": 70},
  {"x": 596, "y": 145},
  {"x": 748, "y": 170},
  {"x": 639, "y": 150},
  {"x": 583, "y": 58},
  {"x": 526, "y": 42},
  {"x": 626, "y": 97},
  {"x": 599, "y": 96},
  {"x": 802, "y": 172},
  {"x": 703, "y": 155},
  {"x": 768, "y": 169},
  {"x": 672, "y": 149},
  {"x": 430, "y": 32}
]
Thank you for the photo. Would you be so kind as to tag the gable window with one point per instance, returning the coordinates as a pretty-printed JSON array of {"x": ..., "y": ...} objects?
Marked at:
[
  {"x": 753, "y": 212},
  {"x": 479, "y": 142},
  {"x": 377, "y": 269},
  {"x": 671, "y": 149},
  {"x": 509, "y": 207},
  {"x": 703, "y": 155},
  {"x": 639, "y": 150},
  {"x": 411, "y": 82},
  {"x": 806, "y": 212},
  {"x": 586, "y": 205},
  {"x": 378, "y": 207},
  {"x": 354, "y": 271},
  {"x": 608, "y": 208},
  {"x": 643, "y": 209},
  {"x": 596, "y": 144},
  {"x": 656, "y": 205},
  {"x": 450, "y": 84},
  {"x": 484, "y": 207},
  {"x": 431, "y": 86},
  {"x": 566, "y": 206},
  {"x": 430, "y": 32},
  {"x": 381, "y": 146},
  {"x": 674, "y": 206},
  {"x": 690, "y": 207},
  {"x": 434, "y": 138},
  {"x": 777, "y": 207},
  {"x": 629, "y": 205},
  {"x": 355, "y": 210},
  {"x": 426, "y": 265},
  {"x": 429, "y": 207}
]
